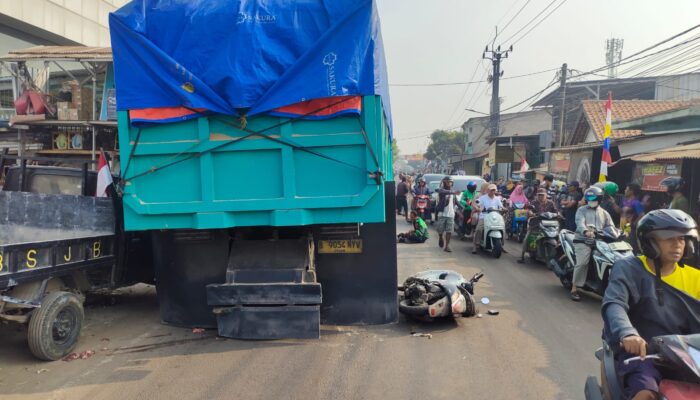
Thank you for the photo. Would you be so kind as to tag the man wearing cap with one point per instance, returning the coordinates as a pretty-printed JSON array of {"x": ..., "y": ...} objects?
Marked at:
[{"x": 487, "y": 201}]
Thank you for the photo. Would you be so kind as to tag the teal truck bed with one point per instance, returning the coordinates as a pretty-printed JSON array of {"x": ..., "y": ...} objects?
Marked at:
[{"x": 221, "y": 172}]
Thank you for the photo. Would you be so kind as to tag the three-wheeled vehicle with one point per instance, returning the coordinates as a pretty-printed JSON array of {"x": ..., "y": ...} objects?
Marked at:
[{"x": 57, "y": 242}]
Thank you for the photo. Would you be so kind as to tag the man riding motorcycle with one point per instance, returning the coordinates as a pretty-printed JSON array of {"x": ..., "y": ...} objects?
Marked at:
[
  {"x": 421, "y": 188},
  {"x": 540, "y": 205},
  {"x": 468, "y": 198},
  {"x": 590, "y": 218},
  {"x": 652, "y": 295}
]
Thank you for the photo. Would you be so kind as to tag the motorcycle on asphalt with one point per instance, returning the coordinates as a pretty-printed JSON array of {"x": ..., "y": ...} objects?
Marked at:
[
  {"x": 518, "y": 225},
  {"x": 494, "y": 232},
  {"x": 608, "y": 246},
  {"x": 543, "y": 240},
  {"x": 422, "y": 207},
  {"x": 676, "y": 357},
  {"x": 463, "y": 221},
  {"x": 438, "y": 293}
]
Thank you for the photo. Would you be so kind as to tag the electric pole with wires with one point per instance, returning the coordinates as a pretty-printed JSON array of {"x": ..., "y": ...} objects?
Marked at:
[{"x": 495, "y": 55}]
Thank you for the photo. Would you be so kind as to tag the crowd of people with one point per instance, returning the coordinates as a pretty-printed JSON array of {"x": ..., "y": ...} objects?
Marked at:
[{"x": 654, "y": 293}]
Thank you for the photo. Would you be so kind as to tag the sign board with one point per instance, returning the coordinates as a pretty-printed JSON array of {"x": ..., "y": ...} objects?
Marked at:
[{"x": 650, "y": 175}]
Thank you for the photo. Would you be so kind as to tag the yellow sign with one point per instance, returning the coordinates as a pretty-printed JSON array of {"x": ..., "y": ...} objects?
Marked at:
[{"x": 353, "y": 246}]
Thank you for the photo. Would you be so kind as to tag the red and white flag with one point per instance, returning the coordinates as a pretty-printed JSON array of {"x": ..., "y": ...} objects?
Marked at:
[
  {"x": 104, "y": 177},
  {"x": 524, "y": 166}
]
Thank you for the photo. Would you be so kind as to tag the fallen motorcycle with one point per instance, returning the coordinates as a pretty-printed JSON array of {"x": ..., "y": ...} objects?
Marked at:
[
  {"x": 677, "y": 357},
  {"x": 438, "y": 293}
]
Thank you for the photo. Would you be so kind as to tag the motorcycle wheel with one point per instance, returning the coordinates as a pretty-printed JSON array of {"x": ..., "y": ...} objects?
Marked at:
[
  {"x": 497, "y": 247},
  {"x": 471, "y": 310},
  {"x": 521, "y": 234},
  {"x": 566, "y": 282},
  {"x": 409, "y": 309}
]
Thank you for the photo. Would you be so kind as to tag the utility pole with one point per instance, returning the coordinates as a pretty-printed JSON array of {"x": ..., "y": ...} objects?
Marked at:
[
  {"x": 495, "y": 55},
  {"x": 562, "y": 110}
]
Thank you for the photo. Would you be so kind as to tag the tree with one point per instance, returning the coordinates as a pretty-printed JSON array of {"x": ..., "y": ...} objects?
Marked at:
[
  {"x": 445, "y": 143},
  {"x": 395, "y": 151}
]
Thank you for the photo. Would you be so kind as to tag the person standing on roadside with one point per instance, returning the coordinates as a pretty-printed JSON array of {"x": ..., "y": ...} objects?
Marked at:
[
  {"x": 570, "y": 205},
  {"x": 445, "y": 209},
  {"x": 401, "y": 196}
]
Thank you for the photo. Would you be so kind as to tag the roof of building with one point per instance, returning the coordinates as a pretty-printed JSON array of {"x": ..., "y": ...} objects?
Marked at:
[
  {"x": 622, "y": 110},
  {"x": 679, "y": 152},
  {"x": 60, "y": 53}
]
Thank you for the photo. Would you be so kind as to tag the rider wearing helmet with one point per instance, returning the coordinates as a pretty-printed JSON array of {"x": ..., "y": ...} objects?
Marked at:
[
  {"x": 590, "y": 218},
  {"x": 468, "y": 197},
  {"x": 652, "y": 295},
  {"x": 608, "y": 203}
]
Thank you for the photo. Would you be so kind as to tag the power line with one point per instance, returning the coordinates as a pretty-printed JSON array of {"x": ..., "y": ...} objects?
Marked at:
[
  {"x": 471, "y": 82},
  {"x": 522, "y": 28},
  {"x": 627, "y": 60},
  {"x": 511, "y": 20},
  {"x": 537, "y": 24}
]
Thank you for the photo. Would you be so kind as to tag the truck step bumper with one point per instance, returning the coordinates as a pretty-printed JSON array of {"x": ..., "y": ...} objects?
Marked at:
[
  {"x": 229, "y": 294},
  {"x": 272, "y": 322}
]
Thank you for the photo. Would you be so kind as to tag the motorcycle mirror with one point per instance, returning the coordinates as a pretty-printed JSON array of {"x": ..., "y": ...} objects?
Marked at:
[{"x": 485, "y": 300}]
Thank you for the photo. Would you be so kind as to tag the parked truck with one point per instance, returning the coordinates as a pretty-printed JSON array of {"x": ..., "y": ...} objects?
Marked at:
[
  {"x": 255, "y": 142},
  {"x": 58, "y": 242}
]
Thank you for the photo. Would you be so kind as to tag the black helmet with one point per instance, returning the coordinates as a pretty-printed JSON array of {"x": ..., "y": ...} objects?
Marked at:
[
  {"x": 593, "y": 193},
  {"x": 471, "y": 186},
  {"x": 664, "y": 224},
  {"x": 549, "y": 177},
  {"x": 536, "y": 182},
  {"x": 673, "y": 183},
  {"x": 421, "y": 180}
]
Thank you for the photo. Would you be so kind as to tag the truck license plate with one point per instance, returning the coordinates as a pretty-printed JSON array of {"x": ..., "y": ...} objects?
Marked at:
[{"x": 353, "y": 246}]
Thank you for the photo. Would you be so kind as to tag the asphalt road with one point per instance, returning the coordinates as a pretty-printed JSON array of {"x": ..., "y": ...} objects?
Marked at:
[{"x": 540, "y": 346}]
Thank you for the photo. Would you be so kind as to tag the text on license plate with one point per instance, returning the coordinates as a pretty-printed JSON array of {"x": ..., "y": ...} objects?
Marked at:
[{"x": 353, "y": 246}]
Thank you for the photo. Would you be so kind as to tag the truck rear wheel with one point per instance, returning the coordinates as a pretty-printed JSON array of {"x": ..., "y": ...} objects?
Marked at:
[{"x": 54, "y": 328}]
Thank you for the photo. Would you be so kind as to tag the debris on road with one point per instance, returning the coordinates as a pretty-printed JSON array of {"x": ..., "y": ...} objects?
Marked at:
[
  {"x": 419, "y": 334},
  {"x": 42, "y": 370},
  {"x": 479, "y": 315},
  {"x": 197, "y": 330},
  {"x": 485, "y": 300},
  {"x": 493, "y": 312},
  {"x": 81, "y": 356}
]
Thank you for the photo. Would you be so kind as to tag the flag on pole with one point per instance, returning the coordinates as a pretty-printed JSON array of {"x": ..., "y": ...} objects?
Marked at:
[
  {"x": 524, "y": 166},
  {"x": 606, "y": 159},
  {"x": 104, "y": 176}
]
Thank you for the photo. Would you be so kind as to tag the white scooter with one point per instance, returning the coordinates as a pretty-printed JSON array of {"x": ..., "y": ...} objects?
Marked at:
[{"x": 494, "y": 232}]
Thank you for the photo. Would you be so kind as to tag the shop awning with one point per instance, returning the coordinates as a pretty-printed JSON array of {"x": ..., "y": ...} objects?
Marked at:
[
  {"x": 60, "y": 53},
  {"x": 691, "y": 151}
]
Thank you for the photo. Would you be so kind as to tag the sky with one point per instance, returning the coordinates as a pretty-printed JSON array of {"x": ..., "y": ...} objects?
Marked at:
[{"x": 440, "y": 41}]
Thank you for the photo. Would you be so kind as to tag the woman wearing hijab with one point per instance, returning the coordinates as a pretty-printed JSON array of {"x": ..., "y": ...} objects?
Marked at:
[{"x": 518, "y": 196}]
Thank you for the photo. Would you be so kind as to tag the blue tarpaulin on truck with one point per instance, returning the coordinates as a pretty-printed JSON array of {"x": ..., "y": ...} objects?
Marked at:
[{"x": 246, "y": 57}]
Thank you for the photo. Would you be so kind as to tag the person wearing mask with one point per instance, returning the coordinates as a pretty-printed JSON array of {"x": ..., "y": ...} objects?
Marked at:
[
  {"x": 570, "y": 205},
  {"x": 445, "y": 209},
  {"x": 541, "y": 204},
  {"x": 652, "y": 295},
  {"x": 518, "y": 196},
  {"x": 488, "y": 201},
  {"x": 678, "y": 200},
  {"x": 401, "y": 192},
  {"x": 419, "y": 234},
  {"x": 467, "y": 203},
  {"x": 590, "y": 218}
]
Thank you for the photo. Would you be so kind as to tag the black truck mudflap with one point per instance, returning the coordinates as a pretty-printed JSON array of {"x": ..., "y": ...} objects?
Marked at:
[{"x": 270, "y": 291}]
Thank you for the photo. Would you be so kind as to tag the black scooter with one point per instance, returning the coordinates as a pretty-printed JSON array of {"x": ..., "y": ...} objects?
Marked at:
[{"x": 676, "y": 357}]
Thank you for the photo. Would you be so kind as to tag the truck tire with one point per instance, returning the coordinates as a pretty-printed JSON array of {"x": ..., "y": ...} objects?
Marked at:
[
  {"x": 54, "y": 328},
  {"x": 409, "y": 309}
]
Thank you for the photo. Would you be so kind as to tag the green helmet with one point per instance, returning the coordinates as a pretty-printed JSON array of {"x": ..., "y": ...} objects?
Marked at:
[{"x": 610, "y": 188}]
